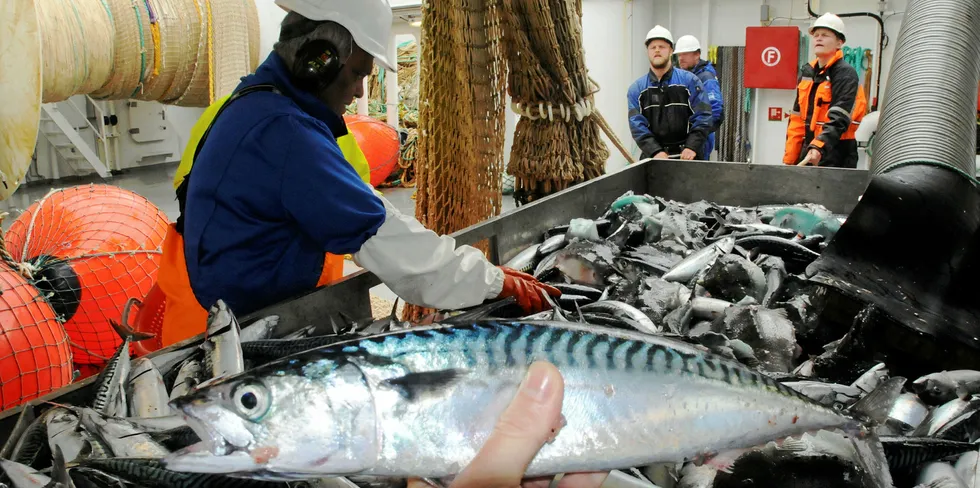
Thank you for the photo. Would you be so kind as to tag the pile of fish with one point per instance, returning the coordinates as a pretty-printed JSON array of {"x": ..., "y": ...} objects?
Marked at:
[{"x": 692, "y": 348}]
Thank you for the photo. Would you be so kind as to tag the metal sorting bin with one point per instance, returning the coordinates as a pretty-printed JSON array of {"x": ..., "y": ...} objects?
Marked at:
[{"x": 686, "y": 181}]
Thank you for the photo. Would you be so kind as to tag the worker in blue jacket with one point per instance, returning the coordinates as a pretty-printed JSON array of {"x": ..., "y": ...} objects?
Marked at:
[
  {"x": 689, "y": 58},
  {"x": 271, "y": 192},
  {"x": 668, "y": 110}
]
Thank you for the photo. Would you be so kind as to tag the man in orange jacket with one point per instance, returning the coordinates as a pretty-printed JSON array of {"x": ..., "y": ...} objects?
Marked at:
[{"x": 829, "y": 103}]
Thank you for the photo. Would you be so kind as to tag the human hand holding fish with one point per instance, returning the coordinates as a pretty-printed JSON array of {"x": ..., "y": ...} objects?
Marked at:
[{"x": 531, "y": 420}]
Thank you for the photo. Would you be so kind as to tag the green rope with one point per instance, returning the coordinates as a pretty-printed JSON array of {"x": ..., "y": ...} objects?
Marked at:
[
  {"x": 805, "y": 47},
  {"x": 139, "y": 23},
  {"x": 81, "y": 27},
  {"x": 855, "y": 57},
  {"x": 408, "y": 145},
  {"x": 112, "y": 45}
]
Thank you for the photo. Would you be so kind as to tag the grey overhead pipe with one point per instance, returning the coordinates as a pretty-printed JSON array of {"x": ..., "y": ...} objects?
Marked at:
[{"x": 928, "y": 112}]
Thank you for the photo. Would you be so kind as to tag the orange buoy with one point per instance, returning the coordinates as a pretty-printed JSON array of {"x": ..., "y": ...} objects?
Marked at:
[
  {"x": 379, "y": 142},
  {"x": 34, "y": 355},
  {"x": 90, "y": 248}
]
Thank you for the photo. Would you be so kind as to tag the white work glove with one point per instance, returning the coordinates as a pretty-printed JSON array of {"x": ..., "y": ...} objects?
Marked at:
[{"x": 426, "y": 269}]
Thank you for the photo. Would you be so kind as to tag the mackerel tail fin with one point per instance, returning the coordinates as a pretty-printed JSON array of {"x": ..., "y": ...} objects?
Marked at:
[
  {"x": 59, "y": 471},
  {"x": 126, "y": 332}
]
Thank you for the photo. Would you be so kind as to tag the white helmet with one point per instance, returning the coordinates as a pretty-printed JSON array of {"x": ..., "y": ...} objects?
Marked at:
[
  {"x": 369, "y": 21},
  {"x": 687, "y": 44},
  {"x": 832, "y": 22},
  {"x": 660, "y": 32}
]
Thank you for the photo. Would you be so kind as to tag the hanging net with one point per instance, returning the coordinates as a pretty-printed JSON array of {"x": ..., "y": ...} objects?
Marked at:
[
  {"x": 34, "y": 355},
  {"x": 89, "y": 249},
  {"x": 461, "y": 116},
  {"x": 557, "y": 141}
]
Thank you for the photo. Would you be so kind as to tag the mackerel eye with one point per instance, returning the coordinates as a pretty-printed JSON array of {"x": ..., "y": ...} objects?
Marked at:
[{"x": 252, "y": 400}]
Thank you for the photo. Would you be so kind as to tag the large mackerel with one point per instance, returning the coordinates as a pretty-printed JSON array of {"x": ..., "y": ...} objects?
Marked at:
[{"x": 421, "y": 402}]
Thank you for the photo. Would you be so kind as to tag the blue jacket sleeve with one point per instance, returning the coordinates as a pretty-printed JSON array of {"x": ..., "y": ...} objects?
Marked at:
[
  {"x": 639, "y": 126},
  {"x": 712, "y": 91},
  {"x": 323, "y": 192},
  {"x": 701, "y": 118}
]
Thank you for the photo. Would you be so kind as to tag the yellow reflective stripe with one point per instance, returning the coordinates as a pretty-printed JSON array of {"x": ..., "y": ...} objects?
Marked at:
[
  {"x": 354, "y": 156},
  {"x": 348, "y": 146},
  {"x": 197, "y": 132}
]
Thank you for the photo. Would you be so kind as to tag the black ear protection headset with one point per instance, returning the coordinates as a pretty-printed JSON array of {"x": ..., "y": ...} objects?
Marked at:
[{"x": 317, "y": 63}]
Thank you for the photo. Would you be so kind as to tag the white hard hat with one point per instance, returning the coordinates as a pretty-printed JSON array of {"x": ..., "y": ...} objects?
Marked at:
[
  {"x": 687, "y": 44},
  {"x": 832, "y": 22},
  {"x": 369, "y": 22},
  {"x": 660, "y": 32}
]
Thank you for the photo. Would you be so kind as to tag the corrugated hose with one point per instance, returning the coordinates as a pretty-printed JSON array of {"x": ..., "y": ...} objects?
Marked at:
[{"x": 927, "y": 116}]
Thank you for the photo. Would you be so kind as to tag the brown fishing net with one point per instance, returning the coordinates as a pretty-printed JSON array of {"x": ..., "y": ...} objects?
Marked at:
[
  {"x": 461, "y": 116},
  {"x": 557, "y": 142}
]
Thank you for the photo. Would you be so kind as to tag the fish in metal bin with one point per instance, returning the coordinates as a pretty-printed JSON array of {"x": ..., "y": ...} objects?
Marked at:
[{"x": 609, "y": 335}]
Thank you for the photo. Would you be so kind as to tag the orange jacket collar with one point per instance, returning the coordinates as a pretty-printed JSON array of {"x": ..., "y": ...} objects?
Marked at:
[{"x": 839, "y": 55}]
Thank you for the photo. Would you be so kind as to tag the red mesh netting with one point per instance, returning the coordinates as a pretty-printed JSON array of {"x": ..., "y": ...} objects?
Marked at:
[
  {"x": 90, "y": 249},
  {"x": 34, "y": 355},
  {"x": 379, "y": 142}
]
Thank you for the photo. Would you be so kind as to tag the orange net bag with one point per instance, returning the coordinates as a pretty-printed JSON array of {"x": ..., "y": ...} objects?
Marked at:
[
  {"x": 90, "y": 249},
  {"x": 35, "y": 358},
  {"x": 34, "y": 355}
]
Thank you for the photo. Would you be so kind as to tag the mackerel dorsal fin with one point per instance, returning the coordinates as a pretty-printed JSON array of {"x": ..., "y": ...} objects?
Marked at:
[
  {"x": 480, "y": 312},
  {"x": 877, "y": 404},
  {"x": 394, "y": 309}
]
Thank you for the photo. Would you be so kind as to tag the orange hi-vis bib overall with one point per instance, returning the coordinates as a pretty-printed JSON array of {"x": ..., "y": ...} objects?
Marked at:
[{"x": 183, "y": 316}]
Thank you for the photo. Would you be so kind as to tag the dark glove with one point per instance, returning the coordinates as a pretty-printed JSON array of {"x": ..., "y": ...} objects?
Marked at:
[{"x": 527, "y": 290}]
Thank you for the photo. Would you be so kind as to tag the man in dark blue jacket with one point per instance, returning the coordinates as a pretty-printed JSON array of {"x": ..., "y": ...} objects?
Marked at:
[
  {"x": 688, "y": 52},
  {"x": 668, "y": 110},
  {"x": 271, "y": 191}
]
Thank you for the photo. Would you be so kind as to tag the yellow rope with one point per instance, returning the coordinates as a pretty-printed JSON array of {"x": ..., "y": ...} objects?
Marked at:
[{"x": 158, "y": 51}]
